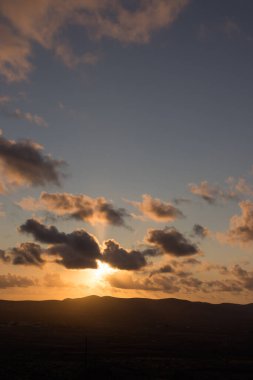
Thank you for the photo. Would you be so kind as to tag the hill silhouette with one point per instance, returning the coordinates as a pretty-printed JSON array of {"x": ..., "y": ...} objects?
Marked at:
[
  {"x": 95, "y": 311},
  {"x": 134, "y": 338}
]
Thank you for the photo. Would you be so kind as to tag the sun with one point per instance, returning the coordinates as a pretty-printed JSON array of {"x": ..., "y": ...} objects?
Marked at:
[{"x": 103, "y": 270}]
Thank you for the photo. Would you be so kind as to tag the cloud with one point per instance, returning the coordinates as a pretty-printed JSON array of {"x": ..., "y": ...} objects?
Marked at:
[
  {"x": 119, "y": 258},
  {"x": 72, "y": 60},
  {"x": 243, "y": 187},
  {"x": 244, "y": 276},
  {"x": 181, "y": 282},
  {"x": 14, "y": 54},
  {"x": 25, "y": 254},
  {"x": 227, "y": 27},
  {"x": 191, "y": 261},
  {"x": 27, "y": 116},
  {"x": 22, "y": 163},
  {"x": 128, "y": 281},
  {"x": 24, "y": 24},
  {"x": 222, "y": 286},
  {"x": 179, "y": 201},
  {"x": 241, "y": 226},
  {"x": 4, "y": 99},
  {"x": 172, "y": 242},
  {"x": 54, "y": 280},
  {"x": 164, "y": 269},
  {"x": 231, "y": 28},
  {"x": 7, "y": 111},
  {"x": 212, "y": 193},
  {"x": 76, "y": 250},
  {"x": 200, "y": 231},
  {"x": 157, "y": 210},
  {"x": 79, "y": 207},
  {"x": 12, "y": 281}
]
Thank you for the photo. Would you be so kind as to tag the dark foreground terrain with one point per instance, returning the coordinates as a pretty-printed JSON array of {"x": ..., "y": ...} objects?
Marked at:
[{"x": 110, "y": 338}]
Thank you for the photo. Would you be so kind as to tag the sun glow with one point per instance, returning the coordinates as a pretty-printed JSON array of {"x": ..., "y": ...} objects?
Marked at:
[{"x": 103, "y": 270}]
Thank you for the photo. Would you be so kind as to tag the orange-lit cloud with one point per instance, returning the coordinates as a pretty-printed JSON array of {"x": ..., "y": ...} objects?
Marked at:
[
  {"x": 156, "y": 209},
  {"x": 78, "y": 206},
  {"x": 54, "y": 280},
  {"x": 71, "y": 59},
  {"x": 212, "y": 193},
  {"x": 12, "y": 281},
  {"x": 169, "y": 280},
  {"x": 241, "y": 226},
  {"x": 14, "y": 54},
  {"x": 4, "y": 99}
]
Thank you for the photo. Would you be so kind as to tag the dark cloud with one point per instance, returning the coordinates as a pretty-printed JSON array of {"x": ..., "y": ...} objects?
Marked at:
[
  {"x": 12, "y": 281},
  {"x": 151, "y": 252},
  {"x": 119, "y": 258},
  {"x": 23, "y": 163},
  {"x": 200, "y": 231},
  {"x": 179, "y": 201},
  {"x": 4, "y": 257},
  {"x": 79, "y": 206},
  {"x": 25, "y": 254},
  {"x": 76, "y": 250},
  {"x": 164, "y": 269},
  {"x": 42, "y": 233},
  {"x": 171, "y": 241},
  {"x": 244, "y": 276},
  {"x": 191, "y": 261},
  {"x": 192, "y": 282},
  {"x": 222, "y": 286},
  {"x": 113, "y": 216}
]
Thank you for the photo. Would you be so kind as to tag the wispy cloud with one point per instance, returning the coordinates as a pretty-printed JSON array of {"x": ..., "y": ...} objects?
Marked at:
[
  {"x": 212, "y": 193},
  {"x": 25, "y": 23},
  {"x": 27, "y": 116}
]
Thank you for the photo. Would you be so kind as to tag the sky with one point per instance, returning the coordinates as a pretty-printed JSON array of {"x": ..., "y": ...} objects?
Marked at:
[{"x": 126, "y": 165}]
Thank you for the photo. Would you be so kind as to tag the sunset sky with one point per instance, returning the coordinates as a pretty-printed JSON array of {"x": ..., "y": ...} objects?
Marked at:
[{"x": 126, "y": 160}]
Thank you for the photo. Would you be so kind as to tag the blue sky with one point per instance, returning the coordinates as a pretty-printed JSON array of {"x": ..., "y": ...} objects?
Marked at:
[{"x": 141, "y": 97}]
